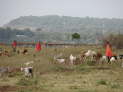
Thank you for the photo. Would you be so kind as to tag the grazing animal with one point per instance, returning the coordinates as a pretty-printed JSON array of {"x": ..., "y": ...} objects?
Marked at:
[
  {"x": 58, "y": 59},
  {"x": 72, "y": 59},
  {"x": 113, "y": 59},
  {"x": 89, "y": 53},
  {"x": 98, "y": 56},
  {"x": 25, "y": 51},
  {"x": 28, "y": 71},
  {"x": 6, "y": 53},
  {"x": 61, "y": 60}
]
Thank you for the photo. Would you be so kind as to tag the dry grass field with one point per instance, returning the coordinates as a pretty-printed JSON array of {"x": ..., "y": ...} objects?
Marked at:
[{"x": 53, "y": 77}]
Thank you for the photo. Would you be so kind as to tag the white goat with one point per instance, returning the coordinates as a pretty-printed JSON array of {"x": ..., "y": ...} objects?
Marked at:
[
  {"x": 72, "y": 59},
  {"x": 90, "y": 53},
  {"x": 61, "y": 60},
  {"x": 112, "y": 59},
  {"x": 28, "y": 71}
]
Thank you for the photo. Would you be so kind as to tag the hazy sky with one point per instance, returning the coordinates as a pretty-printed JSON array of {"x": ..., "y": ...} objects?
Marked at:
[{"x": 11, "y": 9}]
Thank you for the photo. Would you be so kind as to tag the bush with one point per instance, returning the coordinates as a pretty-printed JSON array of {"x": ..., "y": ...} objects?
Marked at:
[{"x": 102, "y": 82}]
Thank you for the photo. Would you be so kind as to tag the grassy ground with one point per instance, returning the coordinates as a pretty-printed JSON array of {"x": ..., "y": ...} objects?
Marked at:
[{"x": 52, "y": 77}]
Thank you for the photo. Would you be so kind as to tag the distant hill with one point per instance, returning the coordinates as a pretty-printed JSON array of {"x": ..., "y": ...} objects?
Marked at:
[
  {"x": 66, "y": 23},
  {"x": 48, "y": 26}
]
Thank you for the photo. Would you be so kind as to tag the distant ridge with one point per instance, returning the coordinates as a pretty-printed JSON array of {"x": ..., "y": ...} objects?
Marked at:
[{"x": 66, "y": 23}]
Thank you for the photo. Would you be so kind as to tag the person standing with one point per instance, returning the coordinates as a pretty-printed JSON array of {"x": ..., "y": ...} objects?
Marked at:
[
  {"x": 108, "y": 51},
  {"x": 14, "y": 45},
  {"x": 38, "y": 46}
]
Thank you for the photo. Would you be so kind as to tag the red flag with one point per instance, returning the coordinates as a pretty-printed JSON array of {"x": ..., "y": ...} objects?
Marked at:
[
  {"x": 108, "y": 51},
  {"x": 38, "y": 46}
]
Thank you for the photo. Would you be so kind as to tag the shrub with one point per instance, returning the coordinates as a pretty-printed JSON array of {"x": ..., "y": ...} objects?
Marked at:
[{"x": 102, "y": 82}]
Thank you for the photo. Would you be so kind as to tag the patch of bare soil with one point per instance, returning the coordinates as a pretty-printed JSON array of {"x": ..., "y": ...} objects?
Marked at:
[{"x": 8, "y": 88}]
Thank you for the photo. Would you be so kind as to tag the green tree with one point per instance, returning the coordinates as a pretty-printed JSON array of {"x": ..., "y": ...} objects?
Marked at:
[{"x": 76, "y": 37}]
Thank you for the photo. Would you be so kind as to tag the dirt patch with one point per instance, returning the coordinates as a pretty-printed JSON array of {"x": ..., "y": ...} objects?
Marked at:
[{"x": 8, "y": 88}]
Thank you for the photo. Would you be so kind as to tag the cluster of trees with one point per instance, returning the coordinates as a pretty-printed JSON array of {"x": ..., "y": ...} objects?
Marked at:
[{"x": 8, "y": 34}]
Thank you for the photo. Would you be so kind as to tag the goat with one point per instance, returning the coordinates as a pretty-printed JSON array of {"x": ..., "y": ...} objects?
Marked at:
[
  {"x": 5, "y": 53},
  {"x": 89, "y": 53},
  {"x": 61, "y": 60},
  {"x": 98, "y": 56},
  {"x": 28, "y": 71},
  {"x": 72, "y": 59},
  {"x": 112, "y": 59},
  {"x": 25, "y": 51}
]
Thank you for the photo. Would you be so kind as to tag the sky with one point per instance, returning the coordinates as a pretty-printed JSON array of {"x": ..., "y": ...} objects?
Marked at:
[{"x": 12, "y": 9}]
